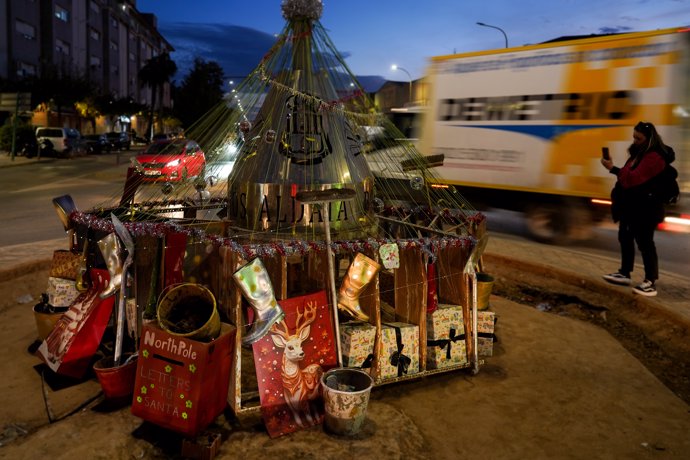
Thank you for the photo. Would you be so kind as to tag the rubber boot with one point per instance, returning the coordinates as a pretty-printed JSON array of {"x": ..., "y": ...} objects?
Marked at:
[
  {"x": 360, "y": 273},
  {"x": 256, "y": 286},
  {"x": 112, "y": 254},
  {"x": 64, "y": 206}
]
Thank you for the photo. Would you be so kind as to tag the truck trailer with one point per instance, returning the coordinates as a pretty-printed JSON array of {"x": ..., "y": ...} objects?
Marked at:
[{"x": 523, "y": 128}]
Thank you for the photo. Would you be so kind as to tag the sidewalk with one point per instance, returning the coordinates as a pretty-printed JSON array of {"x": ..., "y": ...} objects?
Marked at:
[{"x": 555, "y": 387}]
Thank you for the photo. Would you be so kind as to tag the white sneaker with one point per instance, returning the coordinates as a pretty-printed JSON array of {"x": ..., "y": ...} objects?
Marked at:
[
  {"x": 646, "y": 288},
  {"x": 618, "y": 278}
]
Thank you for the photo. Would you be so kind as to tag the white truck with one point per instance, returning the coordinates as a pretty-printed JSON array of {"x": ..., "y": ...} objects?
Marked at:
[{"x": 523, "y": 128}]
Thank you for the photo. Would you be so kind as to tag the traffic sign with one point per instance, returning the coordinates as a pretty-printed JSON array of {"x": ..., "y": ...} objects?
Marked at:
[{"x": 15, "y": 102}]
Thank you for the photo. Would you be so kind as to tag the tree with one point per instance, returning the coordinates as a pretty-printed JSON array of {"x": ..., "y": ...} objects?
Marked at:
[
  {"x": 155, "y": 74},
  {"x": 60, "y": 88},
  {"x": 201, "y": 90}
]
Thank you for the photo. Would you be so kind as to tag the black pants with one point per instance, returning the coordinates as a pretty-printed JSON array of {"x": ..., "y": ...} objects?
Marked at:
[{"x": 631, "y": 231}]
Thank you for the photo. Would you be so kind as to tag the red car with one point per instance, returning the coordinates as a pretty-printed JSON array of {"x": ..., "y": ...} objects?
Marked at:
[{"x": 171, "y": 160}]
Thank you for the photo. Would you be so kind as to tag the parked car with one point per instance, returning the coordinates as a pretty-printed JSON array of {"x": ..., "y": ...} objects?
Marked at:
[
  {"x": 171, "y": 160},
  {"x": 119, "y": 141},
  {"x": 97, "y": 143},
  {"x": 162, "y": 137},
  {"x": 60, "y": 142}
]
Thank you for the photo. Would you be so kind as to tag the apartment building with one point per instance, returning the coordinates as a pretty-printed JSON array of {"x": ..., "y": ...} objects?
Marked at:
[{"x": 106, "y": 41}]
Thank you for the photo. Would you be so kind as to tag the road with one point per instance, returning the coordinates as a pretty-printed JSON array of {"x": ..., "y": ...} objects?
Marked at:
[{"x": 27, "y": 192}]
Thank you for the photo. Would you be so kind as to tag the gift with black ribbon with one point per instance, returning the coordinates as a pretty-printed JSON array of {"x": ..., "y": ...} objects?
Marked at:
[
  {"x": 398, "y": 352},
  {"x": 446, "y": 343},
  {"x": 486, "y": 336}
]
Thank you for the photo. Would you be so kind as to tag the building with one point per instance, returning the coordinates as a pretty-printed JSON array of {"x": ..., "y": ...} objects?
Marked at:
[{"x": 105, "y": 41}]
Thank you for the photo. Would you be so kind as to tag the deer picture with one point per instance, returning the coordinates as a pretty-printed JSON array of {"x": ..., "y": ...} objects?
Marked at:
[{"x": 300, "y": 386}]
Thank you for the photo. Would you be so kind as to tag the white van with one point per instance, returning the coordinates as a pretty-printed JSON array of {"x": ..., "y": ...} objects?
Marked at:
[{"x": 65, "y": 142}]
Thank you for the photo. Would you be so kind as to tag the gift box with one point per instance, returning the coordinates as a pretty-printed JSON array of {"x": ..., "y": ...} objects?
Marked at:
[
  {"x": 446, "y": 345},
  {"x": 182, "y": 384},
  {"x": 61, "y": 292},
  {"x": 399, "y": 350},
  {"x": 486, "y": 321},
  {"x": 357, "y": 342}
]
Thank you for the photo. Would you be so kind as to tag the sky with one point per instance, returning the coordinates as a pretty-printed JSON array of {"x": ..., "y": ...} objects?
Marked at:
[{"x": 373, "y": 35}]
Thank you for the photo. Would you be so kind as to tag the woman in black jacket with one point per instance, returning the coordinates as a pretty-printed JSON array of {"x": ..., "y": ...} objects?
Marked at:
[{"x": 635, "y": 207}]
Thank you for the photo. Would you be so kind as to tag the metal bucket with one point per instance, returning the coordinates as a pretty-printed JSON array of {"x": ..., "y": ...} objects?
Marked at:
[
  {"x": 189, "y": 310},
  {"x": 346, "y": 397},
  {"x": 45, "y": 322},
  {"x": 485, "y": 284}
]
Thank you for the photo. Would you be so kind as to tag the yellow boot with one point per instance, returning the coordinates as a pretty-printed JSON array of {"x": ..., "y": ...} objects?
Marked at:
[{"x": 360, "y": 273}]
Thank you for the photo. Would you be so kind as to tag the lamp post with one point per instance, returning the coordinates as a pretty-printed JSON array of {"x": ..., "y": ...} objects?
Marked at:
[
  {"x": 497, "y": 28},
  {"x": 396, "y": 67}
]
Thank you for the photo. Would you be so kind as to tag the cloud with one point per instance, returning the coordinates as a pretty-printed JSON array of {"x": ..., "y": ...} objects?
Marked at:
[
  {"x": 614, "y": 29},
  {"x": 238, "y": 50}
]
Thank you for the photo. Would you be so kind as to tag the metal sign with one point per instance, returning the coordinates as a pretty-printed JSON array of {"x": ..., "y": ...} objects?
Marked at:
[{"x": 15, "y": 102}]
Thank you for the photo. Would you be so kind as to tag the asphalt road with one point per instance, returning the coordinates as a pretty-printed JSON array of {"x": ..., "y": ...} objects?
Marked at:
[{"x": 26, "y": 195}]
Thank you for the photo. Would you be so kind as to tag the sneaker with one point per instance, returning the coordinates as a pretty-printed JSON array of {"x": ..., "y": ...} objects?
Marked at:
[
  {"x": 618, "y": 278},
  {"x": 646, "y": 288}
]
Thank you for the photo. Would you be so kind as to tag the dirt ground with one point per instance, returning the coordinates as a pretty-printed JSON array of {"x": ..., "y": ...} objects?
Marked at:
[{"x": 574, "y": 375}]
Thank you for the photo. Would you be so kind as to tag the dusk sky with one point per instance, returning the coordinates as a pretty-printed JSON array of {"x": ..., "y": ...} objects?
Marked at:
[{"x": 374, "y": 34}]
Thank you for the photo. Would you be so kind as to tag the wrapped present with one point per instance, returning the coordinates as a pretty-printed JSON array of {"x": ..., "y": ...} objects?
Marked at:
[
  {"x": 61, "y": 291},
  {"x": 357, "y": 343},
  {"x": 399, "y": 350},
  {"x": 446, "y": 345},
  {"x": 486, "y": 321}
]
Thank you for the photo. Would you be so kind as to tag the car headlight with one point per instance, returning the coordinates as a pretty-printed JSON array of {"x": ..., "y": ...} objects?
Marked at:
[{"x": 172, "y": 164}]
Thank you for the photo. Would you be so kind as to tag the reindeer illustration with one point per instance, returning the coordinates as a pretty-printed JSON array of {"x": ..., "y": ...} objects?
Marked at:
[{"x": 300, "y": 386}]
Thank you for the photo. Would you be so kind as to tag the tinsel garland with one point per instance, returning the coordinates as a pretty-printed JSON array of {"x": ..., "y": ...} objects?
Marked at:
[{"x": 284, "y": 248}]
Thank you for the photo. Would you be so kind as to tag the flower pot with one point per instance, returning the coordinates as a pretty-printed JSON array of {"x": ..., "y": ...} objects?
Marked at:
[{"x": 116, "y": 382}]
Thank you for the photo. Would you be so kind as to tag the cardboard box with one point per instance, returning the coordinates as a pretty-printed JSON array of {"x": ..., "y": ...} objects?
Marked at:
[
  {"x": 357, "y": 341},
  {"x": 446, "y": 346},
  {"x": 182, "y": 384},
  {"x": 398, "y": 360},
  {"x": 486, "y": 321}
]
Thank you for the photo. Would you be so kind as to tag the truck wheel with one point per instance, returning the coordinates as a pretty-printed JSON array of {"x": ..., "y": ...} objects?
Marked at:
[
  {"x": 559, "y": 223},
  {"x": 548, "y": 223}
]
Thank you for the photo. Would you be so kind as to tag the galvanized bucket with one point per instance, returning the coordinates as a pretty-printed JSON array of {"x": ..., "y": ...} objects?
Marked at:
[
  {"x": 189, "y": 310},
  {"x": 485, "y": 284}
]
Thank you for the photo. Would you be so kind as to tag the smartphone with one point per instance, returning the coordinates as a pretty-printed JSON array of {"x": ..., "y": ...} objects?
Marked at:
[{"x": 605, "y": 153}]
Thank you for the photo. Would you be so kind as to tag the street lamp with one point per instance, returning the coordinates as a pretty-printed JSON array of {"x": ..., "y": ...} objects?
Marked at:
[
  {"x": 497, "y": 28},
  {"x": 396, "y": 67}
]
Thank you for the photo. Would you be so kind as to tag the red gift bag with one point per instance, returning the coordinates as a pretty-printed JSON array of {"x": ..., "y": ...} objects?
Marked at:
[{"x": 70, "y": 347}]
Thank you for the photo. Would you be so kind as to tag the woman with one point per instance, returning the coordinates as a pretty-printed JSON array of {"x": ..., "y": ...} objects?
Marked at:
[{"x": 636, "y": 208}]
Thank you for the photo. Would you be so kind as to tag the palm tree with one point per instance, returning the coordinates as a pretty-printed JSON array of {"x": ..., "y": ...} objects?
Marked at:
[{"x": 155, "y": 74}]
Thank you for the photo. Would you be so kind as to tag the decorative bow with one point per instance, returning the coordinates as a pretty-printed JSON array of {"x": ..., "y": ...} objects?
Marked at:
[
  {"x": 446, "y": 343},
  {"x": 367, "y": 361},
  {"x": 397, "y": 358}
]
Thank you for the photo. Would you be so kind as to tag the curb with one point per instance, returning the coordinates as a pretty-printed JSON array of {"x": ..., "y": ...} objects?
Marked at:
[
  {"x": 15, "y": 163},
  {"x": 26, "y": 268},
  {"x": 643, "y": 304}
]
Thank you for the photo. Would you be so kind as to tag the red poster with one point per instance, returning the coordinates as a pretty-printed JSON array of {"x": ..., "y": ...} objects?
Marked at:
[{"x": 290, "y": 360}]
